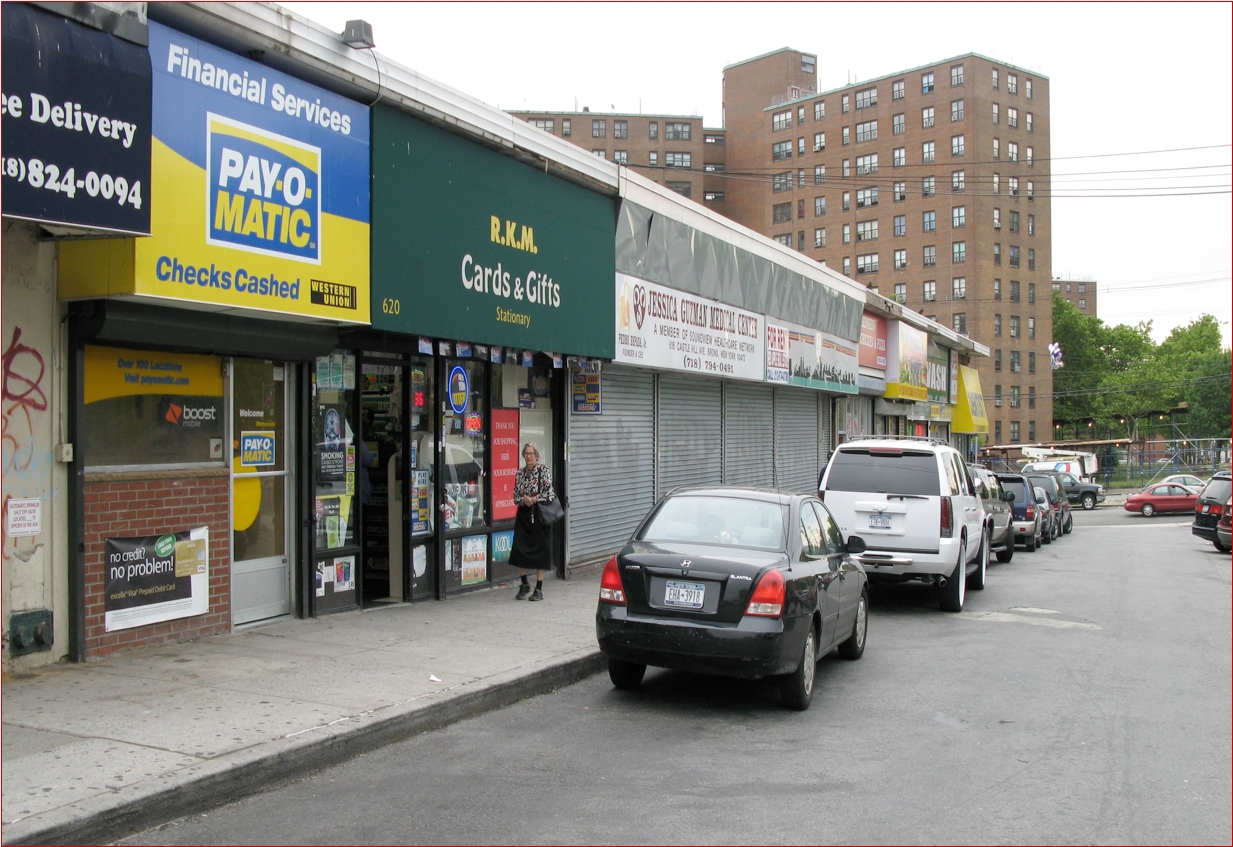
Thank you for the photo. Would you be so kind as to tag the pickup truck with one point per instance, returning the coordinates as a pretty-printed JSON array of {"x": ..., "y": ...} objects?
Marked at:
[{"x": 1077, "y": 491}]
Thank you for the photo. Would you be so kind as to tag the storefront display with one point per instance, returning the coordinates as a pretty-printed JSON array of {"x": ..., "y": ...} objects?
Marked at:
[{"x": 334, "y": 465}]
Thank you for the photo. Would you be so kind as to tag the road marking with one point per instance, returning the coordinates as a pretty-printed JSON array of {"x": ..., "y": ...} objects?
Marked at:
[
  {"x": 1127, "y": 525},
  {"x": 1033, "y": 609},
  {"x": 1003, "y": 617}
]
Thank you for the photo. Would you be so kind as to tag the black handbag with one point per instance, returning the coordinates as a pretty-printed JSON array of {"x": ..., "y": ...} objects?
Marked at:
[{"x": 551, "y": 511}]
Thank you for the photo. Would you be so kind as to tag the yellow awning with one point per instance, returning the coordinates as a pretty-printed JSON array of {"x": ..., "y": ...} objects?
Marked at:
[{"x": 970, "y": 414}]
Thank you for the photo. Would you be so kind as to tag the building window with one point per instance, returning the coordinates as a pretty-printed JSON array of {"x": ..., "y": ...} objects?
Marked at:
[
  {"x": 1012, "y": 117},
  {"x": 781, "y": 120},
  {"x": 808, "y": 63},
  {"x": 819, "y": 237},
  {"x": 1014, "y": 256},
  {"x": 997, "y": 148},
  {"x": 866, "y": 98},
  {"x": 654, "y": 130},
  {"x": 603, "y": 154},
  {"x": 926, "y": 83},
  {"x": 930, "y": 256},
  {"x": 621, "y": 157},
  {"x": 800, "y": 146},
  {"x": 566, "y": 130},
  {"x": 997, "y": 428},
  {"x": 900, "y": 157},
  {"x": 930, "y": 220},
  {"x": 653, "y": 159},
  {"x": 867, "y": 164},
  {"x": 819, "y": 142},
  {"x": 867, "y": 264},
  {"x": 800, "y": 211},
  {"x": 958, "y": 216},
  {"x": 997, "y": 289},
  {"x": 866, "y": 197},
  {"x": 997, "y": 326},
  {"x": 1014, "y": 354},
  {"x": 1031, "y": 292},
  {"x": 1014, "y": 221},
  {"x": 1012, "y": 186},
  {"x": 900, "y": 191},
  {"x": 1014, "y": 291},
  {"x": 819, "y": 206},
  {"x": 781, "y": 182},
  {"x": 995, "y": 113},
  {"x": 1014, "y": 333},
  {"x": 620, "y": 129},
  {"x": 997, "y": 218},
  {"x": 867, "y": 131},
  {"x": 901, "y": 260},
  {"x": 927, "y": 152},
  {"x": 800, "y": 177},
  {"x": 713, "y": 167},
  {"x": 546, "y": 125},
  {"x": 1031, "y": 328},
  {"x": 781, "y": 213},
  {"x": 819, "y": 174},
  {"x": 997, "y": 360},
  {"x": 845, "y": 104},
  {"x": 1027, "y": 121},
  {"x": 956, "y": 75},
  {"x": 931, "y": 290},
  {"x": 819, "y": 110},
  {"x": 866, "y": 230},
  {"x": 847, "y": 233},
  {"x": 997, "y": 253},
  {"x": 956, "y": 145},
  {"x": 956, "y": 110},
  {"x": 847, "y": 138},
  {"x": 1012, "y": 151},
  {"x": 1031, "y": 224},
  {"x": 1031, "y": 258},
  {"x": 1057, "y": 286},
  {"x": 957, "y": 181},
  {"x": 800, "y": 241},
  {"x": 847, "y": 168},
  {"x": 1083, "y": 288},
  {"x": 1014, "y": 432},
  {"x": 997, "y": 401},
  {"x": 1032, "y": 424},
  {"x": 847, "y": 266},
  {"x": 901, "y": 225},
  {"x": 785, "y": 239},
  {"x": 959, "y": 322},
  {"x": 995, "y": 78},
  {"x": 1082, "y": 303},
  {"x": 713, "y": 195},
  {"x": 847, "y": 200},
  {"x": 901, "y": 291},
  {"x": 781, "y": 150},
  {"x": 677, "y": 131},
  {"x": 897, "y": 124},
  {"x": 1012, "y": 83},
  {"x": 1014, "y": 396},
  {"x": 1030, "y": 158},
  {"x": 1031, "y": 189},
  {"x": 997, "y": 184},
  {"x": 958, "y": 252},
  {"x": 1028, "y": 83},
  {"x": 676, "y": 160},
  {"x": 713, "y": 139},
  {"x": 926, "y": 117},
  {"x": 684, "y": 189},
  {"x": 959, "y": 287},
  {"x": 1032, "y": 370},
  {"x": 599, "y": 129},
  {"x": 897, "y": 90}
]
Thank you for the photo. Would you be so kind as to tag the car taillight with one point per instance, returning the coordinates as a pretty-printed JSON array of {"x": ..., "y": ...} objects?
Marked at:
[
  {"x": 1031, "y": 513},
  {"x": 611, "y": 589},
  {"x": 768, "y": 596},
  {"x": 948, "y": 518},
  {"x": 1216, "y": 510}
]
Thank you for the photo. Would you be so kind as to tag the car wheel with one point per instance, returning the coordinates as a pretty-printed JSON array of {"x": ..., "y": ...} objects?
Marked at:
[
  {"x": 1009, "y": 553},
  {"x": 626, "y": 675},
  {"x": 1148, "y": 510},
  {"x": 1222, "y": 548},
  {"x": 952, "y": 594},
  {"x": 1069, "y": 525},
  {"x": 976, "y": 581},
  {"x": 1046, "y": 535},
  {"x": 797, "y": 687},
  {"x": 855, "y": 645},
  {"x": 1032, "y": 542},
  {"x": 1089, "y": 502}
]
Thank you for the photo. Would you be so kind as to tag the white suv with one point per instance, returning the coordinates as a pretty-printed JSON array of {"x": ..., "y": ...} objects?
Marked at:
[{"x": 914, "y": 504}]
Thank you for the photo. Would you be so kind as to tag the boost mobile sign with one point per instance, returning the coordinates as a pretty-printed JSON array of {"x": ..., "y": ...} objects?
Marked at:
[{"x": 260, "y": 188}]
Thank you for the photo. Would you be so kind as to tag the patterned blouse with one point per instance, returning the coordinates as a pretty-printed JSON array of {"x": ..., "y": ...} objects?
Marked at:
[{"x": 536, "y": 481}]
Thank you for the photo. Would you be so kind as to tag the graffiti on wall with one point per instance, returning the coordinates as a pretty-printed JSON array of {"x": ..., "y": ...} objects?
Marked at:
[{"x": 23, "y": 403}]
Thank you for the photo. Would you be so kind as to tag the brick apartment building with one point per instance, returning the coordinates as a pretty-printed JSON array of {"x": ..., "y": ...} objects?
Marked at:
[
  {"x": 930, "y": 185},
  {"x": 1081, "y": 293}
]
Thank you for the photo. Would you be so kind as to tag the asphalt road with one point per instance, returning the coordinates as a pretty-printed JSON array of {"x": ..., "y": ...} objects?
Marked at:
[{"x": 1082, "y": 697}]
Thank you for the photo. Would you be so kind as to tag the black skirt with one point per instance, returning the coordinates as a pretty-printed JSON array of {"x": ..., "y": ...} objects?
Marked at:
[{"x": 532, "y": 541}]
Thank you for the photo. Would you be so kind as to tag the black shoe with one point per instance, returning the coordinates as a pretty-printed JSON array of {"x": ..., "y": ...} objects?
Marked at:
[
  {"x": 523, "y": 591},
  {"x": 536, "y": 595}
]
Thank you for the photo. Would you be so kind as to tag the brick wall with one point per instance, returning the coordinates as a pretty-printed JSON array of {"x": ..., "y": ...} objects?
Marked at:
[{"x": 129, "y": 505}]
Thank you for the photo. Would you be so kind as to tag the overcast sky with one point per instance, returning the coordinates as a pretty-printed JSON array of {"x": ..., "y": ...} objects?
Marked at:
[{"x": 1126, "y": 79}]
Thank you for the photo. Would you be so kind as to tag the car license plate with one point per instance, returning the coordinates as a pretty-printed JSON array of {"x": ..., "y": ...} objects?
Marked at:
[
  {"x": 687, "y": 595},
  {"x": 879, "y": 522}
]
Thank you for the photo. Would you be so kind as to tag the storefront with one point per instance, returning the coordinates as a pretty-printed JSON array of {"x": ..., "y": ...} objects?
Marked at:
[
  {"x": 970, "y": 427},
  {"x": 193, "y": 351},
  {"x": 489, "y": 277},
  {"x": 868, "y": 414},
  {"x": 907, "y": 380}
]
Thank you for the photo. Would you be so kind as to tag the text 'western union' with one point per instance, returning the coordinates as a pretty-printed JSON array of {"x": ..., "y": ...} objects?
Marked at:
[
  {"x": 171, "y": 269},
  {"x": 322, "y": 293}
]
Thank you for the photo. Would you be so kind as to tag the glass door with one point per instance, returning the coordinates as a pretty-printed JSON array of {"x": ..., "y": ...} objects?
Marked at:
[
  {"x": 382, "y": 480},
  {"x": 260, "y": 487}
]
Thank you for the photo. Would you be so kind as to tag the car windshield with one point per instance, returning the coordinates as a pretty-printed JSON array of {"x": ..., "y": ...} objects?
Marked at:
[
  {"x": 1048, "y": 483},
  {"x": 891, "y": 473},
  {"x": 1016, "y": 486},
  {"x": 1218, "y": 490},
  {"x": 708, "y": 519}
]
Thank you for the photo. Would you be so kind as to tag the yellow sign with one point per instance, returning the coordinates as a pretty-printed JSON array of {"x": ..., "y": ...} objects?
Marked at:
[
  {"x": 116, "y": 372},
  {"x": 970, "y": 416}
]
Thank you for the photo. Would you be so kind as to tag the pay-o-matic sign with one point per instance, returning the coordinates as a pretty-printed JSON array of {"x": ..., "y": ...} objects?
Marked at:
[
  {"x": 471, "y": 245},
  {"x": 259, "y": 191}
]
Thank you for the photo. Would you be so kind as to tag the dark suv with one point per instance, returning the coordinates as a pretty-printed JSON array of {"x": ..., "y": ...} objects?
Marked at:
[
  {"x": 1049, "y": 481},
  {"x": 1209, "y": 508},
  {"x": 1026, "y": 520}
]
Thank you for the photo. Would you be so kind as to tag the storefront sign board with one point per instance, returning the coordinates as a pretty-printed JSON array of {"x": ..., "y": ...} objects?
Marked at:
[
  {"x": 661, "y": 327},
  {"x": 798, "y": 355},
  {"x": 156, "y": 578},
  {"x": 908, "y": 363},
  {"x": 76, "y": 124},
  {"x": 470, "y": 244},
  {"x": 259, "y": 197},
  {"x": 873, "y": 341},
  {"x": 970, "y": 414},
  {"x": 938, "y": 373}
]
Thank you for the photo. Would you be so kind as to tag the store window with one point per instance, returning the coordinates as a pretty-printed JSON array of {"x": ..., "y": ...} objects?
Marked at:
[{"x": 336, "y": 480}]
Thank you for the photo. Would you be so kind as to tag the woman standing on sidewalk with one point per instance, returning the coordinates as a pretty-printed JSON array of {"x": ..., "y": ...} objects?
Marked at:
[{"x": 532, "y": 537}]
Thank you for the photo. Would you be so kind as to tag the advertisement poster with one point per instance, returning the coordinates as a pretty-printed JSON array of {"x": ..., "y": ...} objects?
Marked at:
[
  {"x": 797, "y": 355},
  {"x": 474, "y": 559},
  {"x": 419, "y": 502},
  {"x": 938, "y": 379},
  {"x": 908, "y": 367},
  {"x": 76, "y": 123},
  {"x": 156, "y": 578},
  {"x": 259, "y": 192},
  {"x": 661, "y": 327},
  {"x": 502, "y": 546},
  {"x": 873, "y": 341},
  {"x": 585, "y": 389},
  {"x": 344, "y": 574},
  {"x": 505, "y": 460}
]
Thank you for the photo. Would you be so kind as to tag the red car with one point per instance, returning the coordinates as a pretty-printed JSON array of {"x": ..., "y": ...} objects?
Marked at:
[{"x": 1163, "y": 497}]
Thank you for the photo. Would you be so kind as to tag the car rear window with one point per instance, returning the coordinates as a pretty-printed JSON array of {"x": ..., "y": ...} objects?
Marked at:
[
  {"x": 1048, "y": 483},
  {"x": 731, "y": 521},
  {"x": 1016, "y": 486},
  {"x": 891, "y": 473},
  {"x": 1218, "y": 490}
]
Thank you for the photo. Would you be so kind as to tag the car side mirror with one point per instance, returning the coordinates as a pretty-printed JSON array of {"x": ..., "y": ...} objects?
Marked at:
[
  {"x": 856, "y": 544},
  {"x": 1008, "y": 496}
]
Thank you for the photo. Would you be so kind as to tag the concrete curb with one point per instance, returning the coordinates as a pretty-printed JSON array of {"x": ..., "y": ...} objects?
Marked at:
[{"x": 234, "y": 776}]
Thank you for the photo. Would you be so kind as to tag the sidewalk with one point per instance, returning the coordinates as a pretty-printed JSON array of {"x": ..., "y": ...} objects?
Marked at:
[{"x": 96, "y": 751}]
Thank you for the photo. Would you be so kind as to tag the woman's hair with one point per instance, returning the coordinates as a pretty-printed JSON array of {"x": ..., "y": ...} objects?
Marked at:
[{"x": 533, "y": 446}]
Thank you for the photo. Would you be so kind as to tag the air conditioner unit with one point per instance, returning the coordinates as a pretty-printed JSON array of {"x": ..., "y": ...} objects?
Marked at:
[
  {"x": 818, "y": 148},
  {"x": 997, "y": 402}
]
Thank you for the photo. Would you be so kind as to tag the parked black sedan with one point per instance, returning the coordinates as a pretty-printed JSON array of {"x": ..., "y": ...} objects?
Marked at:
[{"x": 742, "y": 582}]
